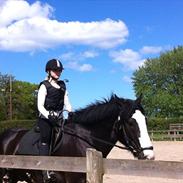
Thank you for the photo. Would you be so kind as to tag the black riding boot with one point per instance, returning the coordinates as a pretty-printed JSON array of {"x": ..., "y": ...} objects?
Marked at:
[{"x": 44, "y": 151}]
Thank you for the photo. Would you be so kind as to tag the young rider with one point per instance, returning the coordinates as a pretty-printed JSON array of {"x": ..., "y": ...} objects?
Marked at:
[{"x": 52, "y": 98}]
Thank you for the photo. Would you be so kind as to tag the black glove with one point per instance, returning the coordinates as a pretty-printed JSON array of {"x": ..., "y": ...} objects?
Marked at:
[
  {"x": 70, "y": 114},
  {"x": 53, "y": 118}
]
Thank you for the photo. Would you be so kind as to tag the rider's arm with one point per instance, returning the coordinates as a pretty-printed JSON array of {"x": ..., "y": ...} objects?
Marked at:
[
  {"x": 42, "y": 92},
  {"x": 67, "y": 104}
]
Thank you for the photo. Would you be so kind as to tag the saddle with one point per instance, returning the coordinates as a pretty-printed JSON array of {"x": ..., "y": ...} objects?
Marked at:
[{"x": 30, "y": 142}]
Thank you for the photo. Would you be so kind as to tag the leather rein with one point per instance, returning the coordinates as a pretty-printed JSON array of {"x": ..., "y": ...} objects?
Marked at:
[{"x": 71, "y": 132}]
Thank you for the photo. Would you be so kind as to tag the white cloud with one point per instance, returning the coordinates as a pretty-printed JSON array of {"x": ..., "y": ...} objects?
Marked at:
[
  {"x": 73, "y": 56},
  {"x": 73, "y": 60},
  {"x": 89, "y": 54},
  {"x": 86, "y": 67},
  {"x": 128, "y": 58},
  {"x": 151, "y": 49},
  {"x": 17, "y": 10},
  {"x": 31, "y": 26},
  {"x": 127, "y": 79},
  {"x": 69, "y": 56},
  {"x": 79, "y": 67}
]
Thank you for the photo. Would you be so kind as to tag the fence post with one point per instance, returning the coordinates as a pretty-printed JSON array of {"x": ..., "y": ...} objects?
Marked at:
[
  {"x": 174, "y": 134},
  {"x": 94, "y": 166}
]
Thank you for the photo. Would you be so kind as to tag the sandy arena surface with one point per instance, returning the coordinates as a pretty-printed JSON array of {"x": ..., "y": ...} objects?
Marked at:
[{"x": 166, "y": 151}]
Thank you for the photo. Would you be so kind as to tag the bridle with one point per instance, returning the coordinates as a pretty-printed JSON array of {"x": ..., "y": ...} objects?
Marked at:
[{"x": 128, "y": 142}]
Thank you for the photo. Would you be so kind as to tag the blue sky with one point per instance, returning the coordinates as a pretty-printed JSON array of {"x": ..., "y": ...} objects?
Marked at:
[{"x": 100, "y": 42}]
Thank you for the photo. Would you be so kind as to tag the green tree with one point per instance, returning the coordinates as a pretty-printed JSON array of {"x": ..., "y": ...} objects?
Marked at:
[
  {"x": 23, "y": 98},
  {"x": 160, "y": 80},
  {"x": 4, "y": 95}
]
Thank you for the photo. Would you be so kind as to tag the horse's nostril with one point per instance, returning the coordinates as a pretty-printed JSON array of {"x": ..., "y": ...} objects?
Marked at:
[{"x": 141, "y": 156}]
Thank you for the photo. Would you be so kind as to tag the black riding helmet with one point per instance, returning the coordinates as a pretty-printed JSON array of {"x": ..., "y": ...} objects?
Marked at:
[{"x": 54, "y": 65}]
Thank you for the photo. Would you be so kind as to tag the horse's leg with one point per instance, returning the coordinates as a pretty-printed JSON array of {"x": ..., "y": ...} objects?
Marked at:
[
  {"x": 15, "y": 175},
  {"x": 75, "y": 177},
  {"x": 59, "y": 177},
  {"x": 36, "y": 176},
  {"x": 6, "y": 176},
  {"x": 2, "y": 174},
  {"x": 56, "y": 177},
  {"x": 11, "y": 176}
]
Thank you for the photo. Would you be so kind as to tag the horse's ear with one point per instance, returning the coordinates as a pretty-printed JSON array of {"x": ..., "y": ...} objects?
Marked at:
[
  {"x": 116, "y": 96},
  {"x": 116, "y": 99},
  {"x": 138, "y": 100}
]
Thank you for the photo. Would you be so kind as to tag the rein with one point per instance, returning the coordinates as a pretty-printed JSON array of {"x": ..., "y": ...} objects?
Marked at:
[{"x": 72, "y": 133}]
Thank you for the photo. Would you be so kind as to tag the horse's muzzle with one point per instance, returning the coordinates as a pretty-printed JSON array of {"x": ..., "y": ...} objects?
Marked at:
[
  {"x": 145, "y": 154},
  {"x": 149, "y": 154}
]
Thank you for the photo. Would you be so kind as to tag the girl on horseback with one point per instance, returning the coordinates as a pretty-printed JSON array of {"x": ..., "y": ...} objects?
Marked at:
[{"x": 52, "y": 98}]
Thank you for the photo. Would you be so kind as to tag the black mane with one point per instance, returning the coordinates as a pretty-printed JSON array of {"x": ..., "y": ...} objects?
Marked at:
[
  {"x": 97, "y": 111},
  {"x": 101, "y": 110}
]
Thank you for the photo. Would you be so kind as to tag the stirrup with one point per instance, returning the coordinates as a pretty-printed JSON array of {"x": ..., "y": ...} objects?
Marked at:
[
  {"x": 51, "y": 173},
  {"x": 6, "y": 178},
  {"x": 46, "y": 176}
]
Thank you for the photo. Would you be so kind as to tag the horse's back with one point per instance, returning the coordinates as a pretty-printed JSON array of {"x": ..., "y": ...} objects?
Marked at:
[{"x": 9, "y": 140}]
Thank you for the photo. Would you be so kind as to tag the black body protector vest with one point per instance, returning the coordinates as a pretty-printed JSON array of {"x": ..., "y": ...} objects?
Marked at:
[{"x": 55, "y": 96}]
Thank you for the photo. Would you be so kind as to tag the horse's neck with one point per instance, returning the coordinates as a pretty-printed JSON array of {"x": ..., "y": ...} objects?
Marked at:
[
  {"x": 100, "y": 135},
  {"x": 107, "y": 133}
]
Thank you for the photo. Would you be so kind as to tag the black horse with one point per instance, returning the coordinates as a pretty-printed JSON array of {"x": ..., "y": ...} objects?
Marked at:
[{"x": 99, "y": 125}]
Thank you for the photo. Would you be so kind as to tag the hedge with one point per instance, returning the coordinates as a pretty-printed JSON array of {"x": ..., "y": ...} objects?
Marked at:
[
  {"x": 162, "y": 123},
  {"x": 152, "y": 123}
]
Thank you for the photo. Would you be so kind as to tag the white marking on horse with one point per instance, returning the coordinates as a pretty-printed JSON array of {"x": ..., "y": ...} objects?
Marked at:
[{"x": 144, "y": 136}]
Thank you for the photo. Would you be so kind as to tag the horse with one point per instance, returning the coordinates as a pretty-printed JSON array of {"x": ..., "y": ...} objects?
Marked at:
[{"x": 99, "y": 125}]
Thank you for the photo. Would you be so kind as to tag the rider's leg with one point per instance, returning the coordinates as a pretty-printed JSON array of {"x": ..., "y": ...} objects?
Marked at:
[{"x": 45, "y": 133}]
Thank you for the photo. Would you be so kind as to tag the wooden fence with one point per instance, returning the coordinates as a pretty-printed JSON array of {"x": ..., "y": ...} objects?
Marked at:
[
  {"x": 173, "y": 135},
  {"x": 176, "y": 126},
  {"x": 95, "y": 166}
]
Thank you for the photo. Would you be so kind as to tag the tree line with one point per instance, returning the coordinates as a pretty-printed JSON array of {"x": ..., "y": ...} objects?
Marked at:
[
  {"x": 159, "y": 80},
  {"x": 17, "y": 99}
]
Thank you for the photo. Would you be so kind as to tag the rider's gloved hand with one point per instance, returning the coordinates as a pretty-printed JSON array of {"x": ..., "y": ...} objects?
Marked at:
[
  {"x": 70, "y": 114},
  {"x": 53, "y": 118}
]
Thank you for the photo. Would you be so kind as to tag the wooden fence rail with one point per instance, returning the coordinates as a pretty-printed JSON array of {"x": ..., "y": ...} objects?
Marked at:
[
  {"x": 172, "y": 135},
  {"x": 95, "y": 166}
]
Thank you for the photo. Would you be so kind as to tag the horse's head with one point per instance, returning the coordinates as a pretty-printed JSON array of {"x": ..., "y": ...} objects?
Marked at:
[{"x": 132, "y": 130}]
